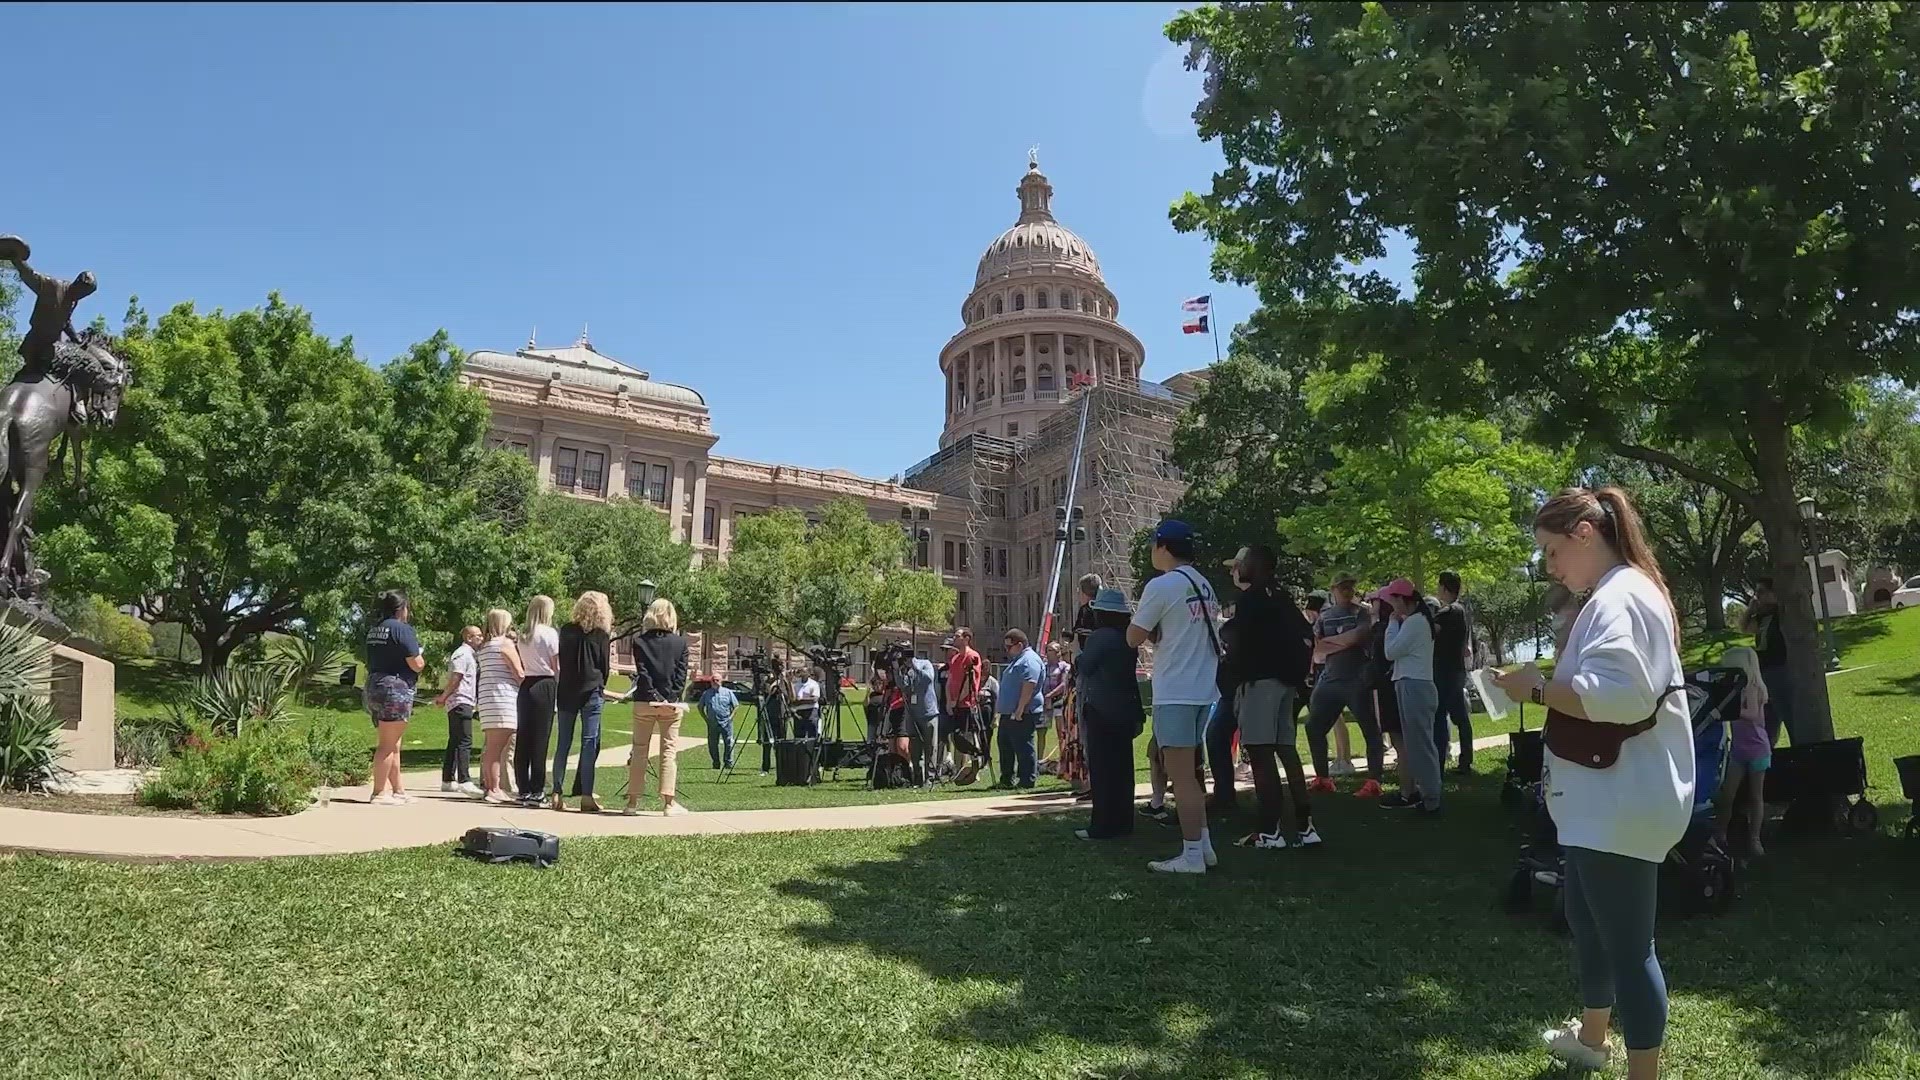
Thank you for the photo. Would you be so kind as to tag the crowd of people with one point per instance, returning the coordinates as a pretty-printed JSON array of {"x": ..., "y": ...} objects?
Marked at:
[
  {"x": 1245, "y": 673},
  {"x": 516, "y": 682}
]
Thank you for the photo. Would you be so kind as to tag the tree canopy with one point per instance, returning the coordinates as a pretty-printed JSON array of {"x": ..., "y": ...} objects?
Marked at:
[
  {"x": 262, "y": 478},
  {"x": 830, "y": 583},
  {"x": 1657, "y": 222}
]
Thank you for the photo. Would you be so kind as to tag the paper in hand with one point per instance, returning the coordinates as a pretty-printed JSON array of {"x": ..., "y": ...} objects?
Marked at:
[{"x": 1495, "y": 699}]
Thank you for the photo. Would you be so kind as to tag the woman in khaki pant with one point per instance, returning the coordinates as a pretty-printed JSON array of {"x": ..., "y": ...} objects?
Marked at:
[{"x": 659, "y": 681}]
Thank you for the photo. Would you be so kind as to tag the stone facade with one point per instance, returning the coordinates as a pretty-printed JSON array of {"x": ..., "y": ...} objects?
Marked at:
[{"x": 1040, "y": 332}]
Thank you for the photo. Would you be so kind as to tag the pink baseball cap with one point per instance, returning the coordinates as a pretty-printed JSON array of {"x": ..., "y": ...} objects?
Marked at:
[{"x": 1398, "y": 587}]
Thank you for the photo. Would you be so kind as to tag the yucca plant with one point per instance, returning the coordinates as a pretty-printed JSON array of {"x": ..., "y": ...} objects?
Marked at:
[
  {"x": 232, "y": 700},
  {"x": 30, "y": 748},
  {"x": 309, "y": 660}
]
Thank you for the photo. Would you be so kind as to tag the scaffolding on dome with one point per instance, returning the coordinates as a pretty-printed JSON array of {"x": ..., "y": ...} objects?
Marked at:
[{"x": 1126, "y": 477}]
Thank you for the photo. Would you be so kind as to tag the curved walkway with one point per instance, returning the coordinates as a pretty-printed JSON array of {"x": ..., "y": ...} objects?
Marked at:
[{"x": 347, "y": 823}]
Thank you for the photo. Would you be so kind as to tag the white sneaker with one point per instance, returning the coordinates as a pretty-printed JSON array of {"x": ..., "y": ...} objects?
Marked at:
[
  {"x": 1272, "y": 841},
  {"x": 1342, "y": 767},
  {"x": 1564, "y": 1043},
  {"x": 1309, "y": 838},
  {"x": 1179, "y": 864},
  {"x": 675, "y": 810},
  {"x": 470, "y": 789},
  {"x": 385, "y": 798},
  {"x": 448, "y": 785}
]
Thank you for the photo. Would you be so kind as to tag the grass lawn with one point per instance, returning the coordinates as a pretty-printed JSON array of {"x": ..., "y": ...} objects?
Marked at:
[{"x": 995, "y": 949}]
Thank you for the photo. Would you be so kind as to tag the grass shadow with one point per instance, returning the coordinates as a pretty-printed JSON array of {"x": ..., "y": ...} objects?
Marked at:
[{"x": 1386, "y": 947}]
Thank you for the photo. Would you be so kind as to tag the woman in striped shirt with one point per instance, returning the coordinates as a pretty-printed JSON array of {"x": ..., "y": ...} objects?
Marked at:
[{"x": 497, "y": 695}]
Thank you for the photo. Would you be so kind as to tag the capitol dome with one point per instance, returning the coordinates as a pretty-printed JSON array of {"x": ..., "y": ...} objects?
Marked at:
[{"x": 1037, "y": 243}]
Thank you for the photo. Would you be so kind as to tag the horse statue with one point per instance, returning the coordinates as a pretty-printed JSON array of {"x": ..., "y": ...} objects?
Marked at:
[{"x": 68, "y": 382}]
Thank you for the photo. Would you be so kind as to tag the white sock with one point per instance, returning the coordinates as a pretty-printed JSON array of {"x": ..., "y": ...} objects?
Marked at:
[
  {"x": 1191, "y": 850},
  {"x": 1206, "y": 837},
  {"x": 1158, "y": 802}
]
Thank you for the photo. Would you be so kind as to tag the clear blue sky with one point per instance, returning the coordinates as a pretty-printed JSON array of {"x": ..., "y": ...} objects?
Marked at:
[{"x": 781, "y": 206}]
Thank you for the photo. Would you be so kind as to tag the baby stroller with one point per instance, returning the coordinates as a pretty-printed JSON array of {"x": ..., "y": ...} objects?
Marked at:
[{"x": 1698, "y": 875}]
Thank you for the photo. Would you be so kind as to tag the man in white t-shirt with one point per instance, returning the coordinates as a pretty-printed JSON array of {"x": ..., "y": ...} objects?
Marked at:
[
  {"x": 1177, "y": 611},
  {"x": 463, "y": 675},
  {"x": 805, "y": 703}
]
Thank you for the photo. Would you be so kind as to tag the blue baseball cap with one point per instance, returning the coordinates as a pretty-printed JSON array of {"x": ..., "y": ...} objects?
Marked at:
[{"x": 1172, "y": 529}]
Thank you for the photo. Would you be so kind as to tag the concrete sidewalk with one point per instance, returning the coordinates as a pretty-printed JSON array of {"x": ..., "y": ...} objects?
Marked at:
[{"x": 347, "y": 823}]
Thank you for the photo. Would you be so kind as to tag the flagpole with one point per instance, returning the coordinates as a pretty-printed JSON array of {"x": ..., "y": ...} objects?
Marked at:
[{"x": 1214, "y": 323}]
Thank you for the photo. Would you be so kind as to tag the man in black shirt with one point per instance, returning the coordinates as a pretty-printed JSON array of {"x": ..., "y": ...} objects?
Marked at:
[
  {"x": 1452, "y": 655},
  {"x": 1762, "y": 620}
]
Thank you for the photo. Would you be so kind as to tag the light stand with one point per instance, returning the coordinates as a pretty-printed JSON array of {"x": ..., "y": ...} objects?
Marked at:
[{"x": 1809, "y": 519}]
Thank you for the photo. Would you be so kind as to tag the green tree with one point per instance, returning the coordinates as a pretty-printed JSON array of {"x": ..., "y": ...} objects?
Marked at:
[
  {"x": 250, "y": 485},
  {"x": 832, "y": 583},
  {"x": 1508, "y": 611},
  {"x": 1412, "y": 492},
  {"x": 1670, "y": 221},
  {"x": 613, "y": 546},
  {"x": 1704, "y": 538},
  {"x": 1251, "y": 455}
]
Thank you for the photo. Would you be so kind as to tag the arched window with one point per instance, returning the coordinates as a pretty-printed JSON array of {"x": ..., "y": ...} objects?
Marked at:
[
  {"x": 1019, "y": 301},
  {"x": 1040, "y": 298},
  {"x": 1066, "y": 299},
  {"x": 998, "y": 308},
  {"x": 1044, "y": 376},
  {"x": 980, "y": 390},
  {"x": 1020, "y": 378},
  {"x": 1071, "y": 372},
  {"x": 1086, "y": 303}
]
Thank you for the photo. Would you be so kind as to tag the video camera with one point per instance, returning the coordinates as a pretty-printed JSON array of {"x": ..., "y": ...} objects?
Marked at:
[
  {"x": 893, "y": 653},
  {"x": 758, "y": 662},
  {"x": 831, "y": 659}
]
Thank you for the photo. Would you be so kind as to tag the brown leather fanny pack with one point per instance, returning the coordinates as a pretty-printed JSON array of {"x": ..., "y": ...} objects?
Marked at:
[{"x": 1592, "y": 743}]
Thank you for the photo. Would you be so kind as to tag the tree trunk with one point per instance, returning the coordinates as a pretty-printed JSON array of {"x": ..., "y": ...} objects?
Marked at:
[
  {"x": 1713, "y": 590},
  {"x": 1779, "y": 515},
  {"x": 217, "y": 643}
]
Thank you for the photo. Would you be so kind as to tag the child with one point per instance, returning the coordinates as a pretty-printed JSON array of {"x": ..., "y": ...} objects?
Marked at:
[{"x": 1751, "y": 754}]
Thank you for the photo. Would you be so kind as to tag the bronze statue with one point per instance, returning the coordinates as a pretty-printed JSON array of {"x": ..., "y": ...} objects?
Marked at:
[{"x": 68, "y": 381}]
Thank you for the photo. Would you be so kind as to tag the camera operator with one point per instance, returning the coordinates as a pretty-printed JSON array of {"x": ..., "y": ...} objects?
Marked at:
[
  {"x": 804, "y": 701},
  {"x": 917, "y": 683},
  {"x": 965, "y": 672}
]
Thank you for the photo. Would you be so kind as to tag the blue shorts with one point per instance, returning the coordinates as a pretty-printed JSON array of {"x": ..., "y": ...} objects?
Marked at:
[{"x": 1180, "y": 726}]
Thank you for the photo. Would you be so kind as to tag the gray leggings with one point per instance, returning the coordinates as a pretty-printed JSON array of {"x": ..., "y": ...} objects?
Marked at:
[
  {"x": 1610, "y": 906},
  {"x": 1418, "y": 698}
]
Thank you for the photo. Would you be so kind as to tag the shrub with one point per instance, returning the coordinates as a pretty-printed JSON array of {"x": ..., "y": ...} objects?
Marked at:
[
  {"x": 263, "y": 770},
  {"x": 30, "y": 748},
  {"x": 309, "y": 659},
  {"x": 338, "y": 759},
  {"x": 116, "y": 632},
  {"x": 241, "y": 696},
  {"x": 142, "y": 742}
]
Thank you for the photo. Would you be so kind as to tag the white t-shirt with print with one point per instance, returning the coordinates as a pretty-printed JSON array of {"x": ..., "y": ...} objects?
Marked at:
[{"x": 1184, "y": 660}]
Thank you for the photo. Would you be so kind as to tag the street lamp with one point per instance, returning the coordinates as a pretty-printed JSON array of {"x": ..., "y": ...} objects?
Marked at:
[
  {"x": 648, "y": 590},
  {"x": 1809, "y": 518}
]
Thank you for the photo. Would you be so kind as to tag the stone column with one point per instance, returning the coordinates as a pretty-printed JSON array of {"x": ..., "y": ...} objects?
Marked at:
[
  {"x": 1027, "y": 362},
  {"x": 676, "y": 497},
  {"x": 696, "y": 531},
  {"x": 726, "y": 527},
  {"x": 617, "y": 468},
  {"x": 543, "y": 460}
]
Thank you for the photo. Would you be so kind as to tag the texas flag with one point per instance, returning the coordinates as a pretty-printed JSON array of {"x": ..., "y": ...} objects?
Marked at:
[{"x": 1199, "y": 310}]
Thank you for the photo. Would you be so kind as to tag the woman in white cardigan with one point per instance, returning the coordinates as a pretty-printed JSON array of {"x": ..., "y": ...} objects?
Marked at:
[{"x": 1616, "y": 822}]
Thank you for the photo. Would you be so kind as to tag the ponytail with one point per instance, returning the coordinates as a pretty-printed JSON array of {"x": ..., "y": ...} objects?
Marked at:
[{"x": 1611, "y": 513}]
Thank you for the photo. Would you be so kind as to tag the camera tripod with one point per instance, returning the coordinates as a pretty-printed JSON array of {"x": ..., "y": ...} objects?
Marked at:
[{"x": 760, "y": 733}]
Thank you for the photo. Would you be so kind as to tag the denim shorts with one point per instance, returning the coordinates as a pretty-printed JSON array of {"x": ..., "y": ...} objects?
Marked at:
[{"x": 1180, "y": 726}]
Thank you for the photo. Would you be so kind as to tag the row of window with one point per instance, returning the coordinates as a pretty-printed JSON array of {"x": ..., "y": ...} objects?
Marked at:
[{"x": 1043, "y": 299}]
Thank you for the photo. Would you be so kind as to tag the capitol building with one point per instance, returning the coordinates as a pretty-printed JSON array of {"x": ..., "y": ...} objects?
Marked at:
[{"x": 1040, "y": 344}]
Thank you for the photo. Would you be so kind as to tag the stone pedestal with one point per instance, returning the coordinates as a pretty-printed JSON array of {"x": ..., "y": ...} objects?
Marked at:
[
  {"x": 82, "y": 689},
  {"x": 80, "y": 685}
]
